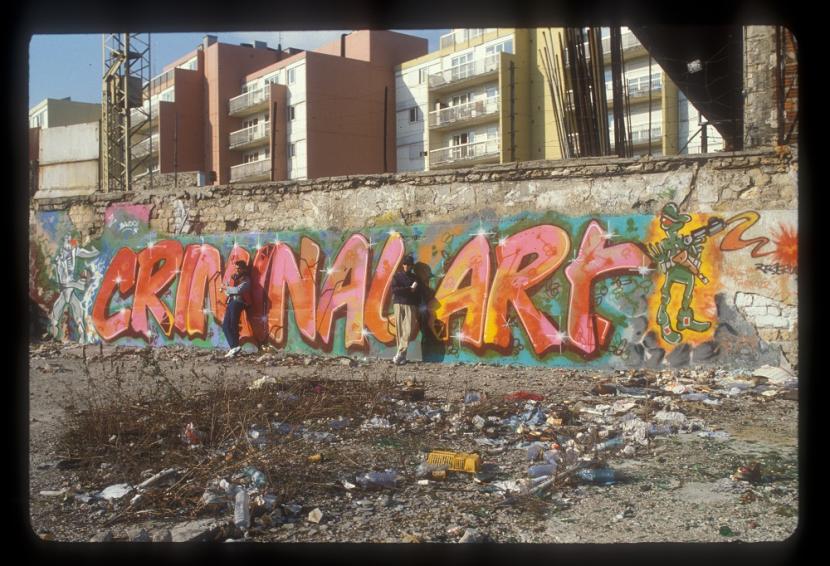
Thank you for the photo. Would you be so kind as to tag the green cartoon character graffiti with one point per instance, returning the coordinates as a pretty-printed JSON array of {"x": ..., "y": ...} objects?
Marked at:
[{"x": 678, "y": 256}]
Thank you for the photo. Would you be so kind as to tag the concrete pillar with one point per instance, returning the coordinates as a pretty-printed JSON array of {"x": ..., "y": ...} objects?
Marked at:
[{"x": 760, "y": 110}]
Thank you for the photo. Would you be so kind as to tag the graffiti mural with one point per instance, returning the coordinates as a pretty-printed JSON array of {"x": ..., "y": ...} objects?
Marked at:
[{"x": 531, "y": 289}]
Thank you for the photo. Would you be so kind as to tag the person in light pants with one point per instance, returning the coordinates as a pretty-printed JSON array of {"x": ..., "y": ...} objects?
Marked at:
[{"x": 406, "y": 297}]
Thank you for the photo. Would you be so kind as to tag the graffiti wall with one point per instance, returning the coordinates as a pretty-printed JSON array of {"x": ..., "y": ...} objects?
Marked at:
[{"x": 534, "y": 288}]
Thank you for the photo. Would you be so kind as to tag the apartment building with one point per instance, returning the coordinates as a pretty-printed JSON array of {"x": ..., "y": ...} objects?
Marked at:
[
  {"x": 53, "y": 112},
  {"x": 483, "y": 98},
  {"x": 467, "y": 103},
  {"x": 250, "y": 113}
]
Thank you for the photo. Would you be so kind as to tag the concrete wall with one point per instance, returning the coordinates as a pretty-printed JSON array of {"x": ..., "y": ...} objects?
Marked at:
[
  {"x": 542, "y": 263},
  {"x": 68, "y": 158}
]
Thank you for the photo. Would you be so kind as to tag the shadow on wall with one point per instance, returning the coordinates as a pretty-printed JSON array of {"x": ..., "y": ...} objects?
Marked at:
[{"x": 432, "y": 349}]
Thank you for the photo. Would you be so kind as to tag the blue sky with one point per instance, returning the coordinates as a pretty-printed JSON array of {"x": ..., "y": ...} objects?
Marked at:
[{"x": 71, "y": 65}]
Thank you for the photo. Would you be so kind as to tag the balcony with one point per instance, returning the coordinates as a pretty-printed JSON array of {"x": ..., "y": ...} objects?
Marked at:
[
  {"x": 465, "y": 154},
  {"x": 466, "y": 74},
  {"x": 470, "y": 113},
  {"x": 249, "y": 102},
  {"x": 640, "y": 137},
  {"x": 251, "y": 172},
  {"x": 250, "y": 137},
  {"x": 138, "y": 116},
  {"x": 148, "y": 146},
  {"x": 449, "y": 40}
]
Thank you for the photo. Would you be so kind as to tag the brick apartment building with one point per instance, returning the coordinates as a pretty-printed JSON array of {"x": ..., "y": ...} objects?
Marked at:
[{"x": 244, "y": 113}]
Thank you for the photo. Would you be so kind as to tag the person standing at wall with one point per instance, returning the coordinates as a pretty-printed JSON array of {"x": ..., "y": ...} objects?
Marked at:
[
  {"x": 406, "y": 297},
  {"x": 239, "y": 298}
]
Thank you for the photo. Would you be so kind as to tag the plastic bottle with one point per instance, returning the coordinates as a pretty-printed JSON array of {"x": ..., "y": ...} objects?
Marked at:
[
  {"x": 597, "y": 475},
  {"x": 541, "y": 470},
  {"x": 242, "y": 509},
  {"x": 610, "y": 443},
  {"x": 378, "y": 479}
]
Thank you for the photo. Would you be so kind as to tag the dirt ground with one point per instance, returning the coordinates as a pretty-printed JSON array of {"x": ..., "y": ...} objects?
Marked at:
[{"x": 673, "y": 480}]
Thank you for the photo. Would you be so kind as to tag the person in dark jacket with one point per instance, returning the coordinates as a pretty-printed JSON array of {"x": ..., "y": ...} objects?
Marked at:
[
  {"x": 238, "y": 300},
  {"x": 406, "y": 297}
]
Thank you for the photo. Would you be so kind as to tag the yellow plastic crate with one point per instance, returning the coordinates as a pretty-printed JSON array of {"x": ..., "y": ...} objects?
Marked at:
[{"x": 455, "y": 461}]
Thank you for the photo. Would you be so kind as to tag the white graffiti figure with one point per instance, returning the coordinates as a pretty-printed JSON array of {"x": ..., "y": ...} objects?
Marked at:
[{"x": 65, "y": 264}]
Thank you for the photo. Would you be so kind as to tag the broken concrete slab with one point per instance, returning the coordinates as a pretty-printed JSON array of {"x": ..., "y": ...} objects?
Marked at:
[{"x": 197, "y": 531}]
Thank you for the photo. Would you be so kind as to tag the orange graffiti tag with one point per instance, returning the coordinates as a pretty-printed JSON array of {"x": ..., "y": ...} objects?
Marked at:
[{"x": 732, "y": 240}]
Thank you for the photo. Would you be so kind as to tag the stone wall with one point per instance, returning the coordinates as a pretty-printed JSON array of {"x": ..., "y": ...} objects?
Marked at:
[{"x": 751, "y": 298}]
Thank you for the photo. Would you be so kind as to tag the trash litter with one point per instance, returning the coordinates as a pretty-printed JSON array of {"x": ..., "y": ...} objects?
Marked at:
[
  {"x": 377, "y": 422},
  {"x": 425, "y": 469},
  {"x": 523, "y": 396},
  {"x": 191, "y": 436},
  {"x": 776, "y": 375},
  {"x": 116, "y": 491},
  {"x": 264, "y": 380},
  {"x": 315, "y": 515},
  {"x": 479, "y": 422},
  {"x": 750, "y": 473},
  {"x": 534, "y": 451},
  {"x": 694, "y": 397},
  {"x": 338, "y": 424},
  {"x": 242, "y": 510},
  {"x": 411, "y": 391},
  {"x": 671, "y": 417},
  {"x": 725, "y": 531},
  {"x": 597, "y": 475},
  {"x": 258, "y": 478},
  {"x": 610, "y": 443},
  {"x": 604, "y": 389},
  {"x": 386, "y": 479},
  {"x": 472, "y": 397},
  {"x": 541, "y": 470},
  {"x": 456, "y": 461},
  {"x": 315, "y": 458}
]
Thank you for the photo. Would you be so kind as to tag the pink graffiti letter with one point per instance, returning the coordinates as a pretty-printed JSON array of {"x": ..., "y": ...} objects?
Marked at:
[
  {"x": 120, "y": 276},
  {"x": 345, "y": 286},
  {"x": 378, "y": 295},
  {"x": 301, "y": 283},
  {"x": 550, "y": 245},
  {"x": 201, "y": 265},
  {"x": 158, "y": 266},
  {"x": 586, "y": 330},
  {"x": 473, "y": 259}
]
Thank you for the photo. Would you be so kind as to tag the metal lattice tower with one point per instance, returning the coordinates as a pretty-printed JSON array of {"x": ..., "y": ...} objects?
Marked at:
[{"x": 126, "y": 83}]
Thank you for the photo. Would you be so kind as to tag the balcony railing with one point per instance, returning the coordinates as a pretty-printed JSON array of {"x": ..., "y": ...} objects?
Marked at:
[
  {"x": 248, "y": 99},
  {"x": 448, "y": 40},
  {"x": 146, "y": 147},
  {"x": 464, "y": 71},
  {"x": 641, "y": 136},
  {"x": 466, "y": 111},
  {"x": 250, "y": 134},
  {"x": 138, "y": 116},
  {"x": 467, "y": 151},
  {"x": 252, "y": 169}
]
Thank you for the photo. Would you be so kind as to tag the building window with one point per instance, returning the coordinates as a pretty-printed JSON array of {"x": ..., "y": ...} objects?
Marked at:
[
  {"x": 290, "y": 113},
  {"x": 291, "y": 76},
  {"x": 422, "y": 76},
  {"x": 505, "y": 46},
  {"x": 292, "y": 150},
  {"x": 414, "y": 115}
]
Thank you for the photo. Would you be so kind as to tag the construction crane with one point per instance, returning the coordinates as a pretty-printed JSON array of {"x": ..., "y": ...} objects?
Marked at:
[{"x": 125, "y": 109}]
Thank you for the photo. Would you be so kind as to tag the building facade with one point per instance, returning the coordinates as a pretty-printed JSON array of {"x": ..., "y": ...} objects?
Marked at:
[
  {"x": 483, "y": 98},
  {"x": 54, "y": 112},
  {"x": 250, "y": 113}
]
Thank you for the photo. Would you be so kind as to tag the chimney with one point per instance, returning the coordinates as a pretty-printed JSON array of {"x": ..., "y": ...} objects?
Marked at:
[{"x": 343, "y": 44}]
